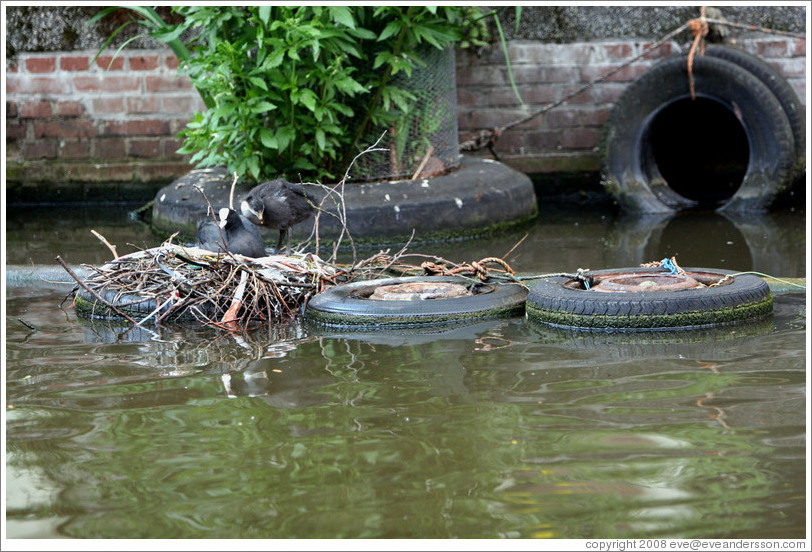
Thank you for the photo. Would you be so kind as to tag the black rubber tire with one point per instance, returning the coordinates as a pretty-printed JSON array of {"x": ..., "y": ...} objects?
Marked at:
[
  {"x": 629, "y": 169},
  {"x": 133, "y": 305},
  {"x": 345, "y": 305},
  {"x": 746, "y": 297},
  {"x": 780, "y": 88}
]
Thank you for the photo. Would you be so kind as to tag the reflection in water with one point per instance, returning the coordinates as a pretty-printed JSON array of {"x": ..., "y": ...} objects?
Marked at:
[{"x": 498, "y": 429}]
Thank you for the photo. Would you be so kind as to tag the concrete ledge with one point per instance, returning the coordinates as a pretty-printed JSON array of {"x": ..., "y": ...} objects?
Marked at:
[
  {"x": 59, "y": 181},
  {"x": 480, "y": 197}
]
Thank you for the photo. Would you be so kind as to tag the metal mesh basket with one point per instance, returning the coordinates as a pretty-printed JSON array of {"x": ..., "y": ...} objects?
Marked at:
[{"x": 424, "y": 141}]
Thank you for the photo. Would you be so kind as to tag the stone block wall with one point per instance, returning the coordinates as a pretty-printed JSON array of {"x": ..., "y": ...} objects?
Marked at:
[{"x": 70, "y": 120}]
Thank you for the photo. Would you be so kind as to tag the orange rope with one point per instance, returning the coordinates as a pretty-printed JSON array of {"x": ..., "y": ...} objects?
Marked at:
[{"x": 700, "y": 29}]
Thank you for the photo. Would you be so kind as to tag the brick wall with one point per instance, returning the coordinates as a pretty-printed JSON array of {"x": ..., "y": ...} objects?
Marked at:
[
  {"x": 566, "y": 138},
  {"x": 68, "y": 121},
  {"x": 72, "y": 120}
]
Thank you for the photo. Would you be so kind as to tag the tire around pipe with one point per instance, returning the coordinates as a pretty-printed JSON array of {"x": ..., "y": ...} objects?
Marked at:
[
  {"x": 780, "y": 88},
  {"x": 348, "y": 304},
  {"x": 744, "y": 297},
  {"x": 731, "y": 149}
]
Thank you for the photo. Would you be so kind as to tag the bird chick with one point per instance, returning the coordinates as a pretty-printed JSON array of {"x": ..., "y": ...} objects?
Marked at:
[
  {"x": 277, "y": 204},
  {"x": 240, "y": 235}
]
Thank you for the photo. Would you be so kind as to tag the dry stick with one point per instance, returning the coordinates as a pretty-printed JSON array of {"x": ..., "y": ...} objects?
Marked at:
[
  {"x": 518, "y": 243},
  {"x": 423, "y": 162},
  {"x": 231, "y": 195},
  {"x": 93, "y": 293},
  {"x": 755, "y": 28},
  {"x": 112, "y": 248}
]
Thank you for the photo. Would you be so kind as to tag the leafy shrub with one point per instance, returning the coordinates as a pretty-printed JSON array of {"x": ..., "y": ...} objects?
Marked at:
[{"x": 294, "y": 91}]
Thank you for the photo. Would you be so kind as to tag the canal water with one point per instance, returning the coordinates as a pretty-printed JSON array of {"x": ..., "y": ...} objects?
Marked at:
[{"x": 498, "y": 429}]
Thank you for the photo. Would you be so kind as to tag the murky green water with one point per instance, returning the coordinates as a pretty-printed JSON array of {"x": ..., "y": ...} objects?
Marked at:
[{"x": 498, "y": 429}]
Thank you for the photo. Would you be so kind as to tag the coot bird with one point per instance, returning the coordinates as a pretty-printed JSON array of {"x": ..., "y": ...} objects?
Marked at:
[
  {"x": 277, "y": 204},
  {"x": 240, "y": 235}
]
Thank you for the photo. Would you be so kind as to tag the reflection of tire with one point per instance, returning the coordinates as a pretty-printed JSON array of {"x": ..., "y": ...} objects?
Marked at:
[
  {"x": 780, "y": 88},
  {"x": 709, "y": 344},
  {"x": 740, "y": 298},
  {"x": 732, "y": 148},
  {"x": 348, "y": 304}
]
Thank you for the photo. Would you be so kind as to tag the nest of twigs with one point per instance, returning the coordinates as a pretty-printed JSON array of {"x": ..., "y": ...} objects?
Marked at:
[
  {"x": 178, "y": 283},
  {"x": 173, "y": 282}
]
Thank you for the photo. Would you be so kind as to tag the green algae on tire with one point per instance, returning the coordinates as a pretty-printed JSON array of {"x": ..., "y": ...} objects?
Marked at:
[
  {"x": 558, "y": 302},
  {"x": 349, "y": 305}
]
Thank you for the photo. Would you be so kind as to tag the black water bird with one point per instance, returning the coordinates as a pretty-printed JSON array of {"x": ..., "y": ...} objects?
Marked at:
[
  {"x": 277, "y": 204},
  {"x": 240, "y": 235}
]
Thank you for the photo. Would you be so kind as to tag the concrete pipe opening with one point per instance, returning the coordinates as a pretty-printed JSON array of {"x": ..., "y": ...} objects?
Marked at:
[
  {"x": 731, "y": 148},
  {"x": 700, "y": 149}
]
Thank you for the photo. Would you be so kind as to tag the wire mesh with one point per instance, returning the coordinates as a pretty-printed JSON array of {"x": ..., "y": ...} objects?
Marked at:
[{"x": 423, "y": 141}]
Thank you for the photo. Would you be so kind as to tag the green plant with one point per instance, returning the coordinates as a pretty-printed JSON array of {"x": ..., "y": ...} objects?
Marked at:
[{"x": 294, "y": 91}]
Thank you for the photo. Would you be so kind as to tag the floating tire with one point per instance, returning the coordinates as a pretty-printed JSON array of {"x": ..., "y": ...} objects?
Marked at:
[
  {"x": 350, "y": 304},
  {"x": 562, "y": 301},
  {"x": 732, "y": 148},
  {"x": 133, "y": 305}
]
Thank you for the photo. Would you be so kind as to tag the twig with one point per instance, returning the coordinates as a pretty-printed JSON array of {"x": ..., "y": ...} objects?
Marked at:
[
  {"x": 231, "y": 195},
  {"x": 93, "y": 293},
  {"x": 423, "y": 162},
  {"x": 112, "y": 248}
]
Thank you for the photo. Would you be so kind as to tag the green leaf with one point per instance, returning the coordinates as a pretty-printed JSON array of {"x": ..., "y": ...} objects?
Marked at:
[
  {"x": 320, "y": 140},
  {"x": 262, "y": 107},
  {"x": 256, "y": 81},
  {"x": 253, "y": 166},
  {"x": 264, "y": 14},
  {"x": 268, "y": 139},
  {"x": 392, "y": 28},
  {"x": 343, "y": 16}
]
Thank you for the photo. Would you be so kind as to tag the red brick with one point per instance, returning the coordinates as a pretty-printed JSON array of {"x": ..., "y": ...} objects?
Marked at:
[
  {"x": 617, "y": 52},
  {"x": 113, "y": 104},
  {"x": 25, "y": 84},
  {"x": 171, "y": 62},
  {"x": 40, "y": 148},
  {"x": 12, "y": 109},
  {"x": 771, "y": 48},
  {"x": 626, "y": 74},
  {"x": 75, "y": 149},
  {"x": 143, "y": 63},
  {"x": 41, "y": 65},
  {"x": 180, "y": 104},
  {"x": 108, "y": 63},
  {"x": 562, "y": 117},
  {"x": 110, "y": 148},
  {"x": 579, "y": 138},
  {"x": 148, "y": 147},
  {"x": 70, "y": 109},
  {"x": 663, "y": 50},
  {"x": 74, "y": 63},
  {"x": 143, "y": 104},
  {"x": 36, "y": 110},
  {"x": 158, "y": 83},
  {"x": 72, "y": 128},
  {"x": 542, "y": 140},
  {"x": 171, "y": 146},
  {"x": 15, "y": 129},
  {"x": 144, "y": 127},
  {"x": 799, "y": 47},
  {"x": 595, "y": 117},
  {"x": 106, "y": 83}
]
